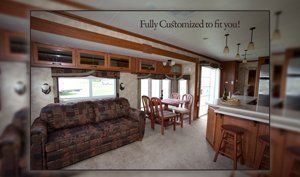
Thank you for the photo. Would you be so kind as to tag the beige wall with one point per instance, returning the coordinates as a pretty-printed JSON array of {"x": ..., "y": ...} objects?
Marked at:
[
  {"x": 39, "y": 76},
  {"x": 11, "y": 102},
  {"x": 190, "y": 69},
  {"x": 130, "y": 92}
]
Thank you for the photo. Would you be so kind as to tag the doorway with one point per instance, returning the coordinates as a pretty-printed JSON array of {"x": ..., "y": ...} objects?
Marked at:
[{"x": 210, "y": 87}]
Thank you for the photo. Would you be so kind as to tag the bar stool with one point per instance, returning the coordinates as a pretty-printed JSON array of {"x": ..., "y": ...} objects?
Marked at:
[
  {"x": 265, "y": 144},
  {"x": 295, "y": 156},
  {"x": 232, "y": 135}
]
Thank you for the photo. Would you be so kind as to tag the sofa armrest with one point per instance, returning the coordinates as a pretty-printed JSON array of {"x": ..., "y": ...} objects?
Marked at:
[
  {"x": 10, "y": 151},
  {"x": 140, "y": 117},
  {"x": 38, "y": 139}
]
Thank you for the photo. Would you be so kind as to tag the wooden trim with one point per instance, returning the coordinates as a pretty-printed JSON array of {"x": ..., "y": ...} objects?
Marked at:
[
  {"x": 197, "y": 96},
  {"x": 76, "y": 4},
  {"x": 16, "y": 9},
  {"x": 102, "y": 25},
  {"x": 60, "y": 29}
]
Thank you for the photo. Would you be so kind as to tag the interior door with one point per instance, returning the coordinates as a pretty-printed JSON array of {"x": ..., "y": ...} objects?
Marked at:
[{"x": 210, "y": 85}]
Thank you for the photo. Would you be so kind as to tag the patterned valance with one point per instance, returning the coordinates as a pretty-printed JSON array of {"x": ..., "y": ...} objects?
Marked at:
[
  {"x": 69, "y": 72},
  {"x": 162, "y": 76},
  {"x": 151, "y": 76}
]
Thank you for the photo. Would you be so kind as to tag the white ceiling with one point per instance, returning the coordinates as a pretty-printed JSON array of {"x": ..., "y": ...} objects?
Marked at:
[{"x": 192, "y": 39}]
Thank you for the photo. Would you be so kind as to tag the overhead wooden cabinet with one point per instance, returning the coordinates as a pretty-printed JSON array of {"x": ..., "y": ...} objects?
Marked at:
[
  {"x": 146, "y": 66},
  {"x": 13, "y": 46},
  {"x": 53, "y": 56},
  {"x": 120, "y": 62},
  {"x": 91, "y": 59}
]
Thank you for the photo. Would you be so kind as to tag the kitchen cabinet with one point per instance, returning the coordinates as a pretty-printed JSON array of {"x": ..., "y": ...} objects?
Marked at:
[
  {"x": 53, "y": 56},
  {"x": 91, "y": 59},
  {"x": 211, "y": 126}
]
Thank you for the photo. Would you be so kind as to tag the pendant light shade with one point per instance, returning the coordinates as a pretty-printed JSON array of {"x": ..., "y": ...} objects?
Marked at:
[
  {"x": 251, "y": 43},
  {"x": 226, "y": 49},
  {"x": 245, "y": 58},
  {"x": 237, "y": 56},
  {"x": 276, "y": 33}
]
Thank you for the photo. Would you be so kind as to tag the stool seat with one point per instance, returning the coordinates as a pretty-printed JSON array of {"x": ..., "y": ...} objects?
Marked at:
[
  {"x": 294, "y": 150},
  {"x": 233, "y": 128},
  {"x": 265, "y": 138}
]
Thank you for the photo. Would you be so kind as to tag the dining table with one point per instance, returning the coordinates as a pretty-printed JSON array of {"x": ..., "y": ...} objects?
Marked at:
[{"x": 172, "y": 102}]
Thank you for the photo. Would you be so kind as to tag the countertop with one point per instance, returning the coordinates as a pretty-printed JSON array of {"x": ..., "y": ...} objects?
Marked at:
[
  {"x": 245, "y": 111},
  {"x": 285, "y": 119}
]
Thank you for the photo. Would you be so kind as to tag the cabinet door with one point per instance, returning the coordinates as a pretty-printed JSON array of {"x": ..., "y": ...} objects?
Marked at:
[
  {"x": 119, "y": 62},
  {"x": 91, "y": 59},
  {"x": 211, "y": 126},
  {"x": 15, "y": 46},
  {"x": 53, "y": 56},
  {"x": 147, "y": 66}
]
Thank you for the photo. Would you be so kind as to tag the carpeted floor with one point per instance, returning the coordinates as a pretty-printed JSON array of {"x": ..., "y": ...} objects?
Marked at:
[{"x": 185, "y": 148}]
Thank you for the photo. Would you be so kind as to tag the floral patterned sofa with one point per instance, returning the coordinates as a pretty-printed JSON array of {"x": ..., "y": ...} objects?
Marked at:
[{"x": 67, "y": 133}]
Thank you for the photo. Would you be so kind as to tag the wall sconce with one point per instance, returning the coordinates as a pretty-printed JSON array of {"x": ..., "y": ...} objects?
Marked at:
[
  {"x": 122, "y": 87},
  {"x": 20, "y": 88},
  {"x": 46, "y": 88}
]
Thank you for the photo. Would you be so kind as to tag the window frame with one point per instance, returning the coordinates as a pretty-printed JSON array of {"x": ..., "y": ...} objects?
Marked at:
[{"x": 90, "y": 97}]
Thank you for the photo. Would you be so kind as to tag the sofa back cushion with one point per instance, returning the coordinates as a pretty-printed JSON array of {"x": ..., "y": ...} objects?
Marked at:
[
  {"x": 65, "y": 115},
  {"x": 108, "y": 109}
]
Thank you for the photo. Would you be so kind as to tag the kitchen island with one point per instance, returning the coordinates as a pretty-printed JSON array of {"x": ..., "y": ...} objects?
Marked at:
[{"x": 253, "y": 118}]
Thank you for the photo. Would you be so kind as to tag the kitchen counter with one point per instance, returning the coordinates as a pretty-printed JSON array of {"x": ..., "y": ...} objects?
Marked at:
[
  {"x": 244, "y": 110},
  {"x": 285, "y": 119}
]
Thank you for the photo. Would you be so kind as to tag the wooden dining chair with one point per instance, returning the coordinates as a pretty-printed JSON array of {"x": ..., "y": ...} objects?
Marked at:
[
  {"x": 161, "y": 115},
  {"x": 185, "y": 108},
  {"x": 147, "y": 109},
  {"x": 175, "y": 95}
]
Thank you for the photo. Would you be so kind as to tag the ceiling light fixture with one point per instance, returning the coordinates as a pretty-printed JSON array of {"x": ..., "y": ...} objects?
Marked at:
[
  {"x": 245, "y": 58},
  {"x": 169, "y": 63},
  {"x": 251, "y": 43},
  {"x": 276, "y": 33},
  {"x": 238, "y": 51},
  {"x": 226, "y": 49}
]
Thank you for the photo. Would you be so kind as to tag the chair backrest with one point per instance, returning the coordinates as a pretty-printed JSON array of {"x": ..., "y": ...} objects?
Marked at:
[
  {"x": 189, "y": 101},
  {"x": 175, "y": 95},
  {"x": 146, "y": 104},
  {"x": 157, "y": 107}
]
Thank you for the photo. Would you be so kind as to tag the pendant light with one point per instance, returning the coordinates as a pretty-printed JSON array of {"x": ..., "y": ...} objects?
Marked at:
[
  {"x": 251, "y": 43},
  {"x": 245, "y": 58},
  {"x": 226, "y": 49},
  {"x": 238, "y": 52},
  {"x": 276, "y": 33}
]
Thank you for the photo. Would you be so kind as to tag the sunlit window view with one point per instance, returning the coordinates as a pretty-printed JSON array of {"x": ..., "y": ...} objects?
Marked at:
[
  {"x": 86, "y": 87},
  {"x": 182, "y": 87}
]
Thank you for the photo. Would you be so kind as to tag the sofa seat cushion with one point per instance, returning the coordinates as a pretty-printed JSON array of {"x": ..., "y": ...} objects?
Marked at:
[{"x": 83, "y": 137}]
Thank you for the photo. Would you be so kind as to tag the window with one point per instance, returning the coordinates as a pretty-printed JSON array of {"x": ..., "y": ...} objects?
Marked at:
[
  {"x": 166, "y": 87},
  {"x": 182, "y": 87},
  {"x": 155, "y": 90},
  {"x": 153, "y": 87},
  {"x": 71, "y": 88}
]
